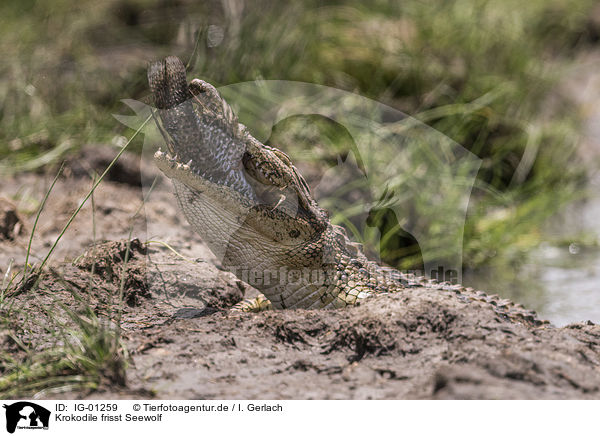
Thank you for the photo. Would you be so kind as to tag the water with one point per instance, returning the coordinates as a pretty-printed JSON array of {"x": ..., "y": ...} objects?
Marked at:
[{"x": 562, "y": 285}]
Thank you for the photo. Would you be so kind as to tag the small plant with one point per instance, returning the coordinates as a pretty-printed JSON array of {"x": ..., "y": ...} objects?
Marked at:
[{"x": 91, "y": 354}]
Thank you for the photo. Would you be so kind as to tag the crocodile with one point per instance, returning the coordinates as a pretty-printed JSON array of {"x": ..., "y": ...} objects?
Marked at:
[{"x": 255, "y": 211}]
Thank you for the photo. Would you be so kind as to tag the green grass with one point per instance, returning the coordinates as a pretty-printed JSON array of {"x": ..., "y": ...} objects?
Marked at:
[
  {"x": 76, "y": 349},
  {"x": 86, "y": 354}
]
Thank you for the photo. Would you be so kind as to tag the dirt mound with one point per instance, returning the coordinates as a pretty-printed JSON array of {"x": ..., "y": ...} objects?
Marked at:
[
  {"x": 118, "y": 262},
  {"x": 412, "y": 344}
]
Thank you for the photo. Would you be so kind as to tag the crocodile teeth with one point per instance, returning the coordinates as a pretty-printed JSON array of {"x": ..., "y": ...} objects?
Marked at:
[
  {"x": 281, "y": 200},
  {"x": 189, "y": 164}
]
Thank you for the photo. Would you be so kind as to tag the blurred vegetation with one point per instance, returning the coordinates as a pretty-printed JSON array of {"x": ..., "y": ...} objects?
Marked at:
[{"x": 482, "y": 72}]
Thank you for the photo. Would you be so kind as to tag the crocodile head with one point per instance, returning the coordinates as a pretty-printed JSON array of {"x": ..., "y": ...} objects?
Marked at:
[{"x": 246, "y": 200}]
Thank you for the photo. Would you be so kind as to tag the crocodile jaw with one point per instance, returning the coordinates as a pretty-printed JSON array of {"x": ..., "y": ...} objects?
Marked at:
[
  {"x": 263, "y": 247},
  {"x": 227, "y": 218}
]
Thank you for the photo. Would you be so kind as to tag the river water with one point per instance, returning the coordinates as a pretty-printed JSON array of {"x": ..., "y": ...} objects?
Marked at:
[{"x": 562, "y": 283}]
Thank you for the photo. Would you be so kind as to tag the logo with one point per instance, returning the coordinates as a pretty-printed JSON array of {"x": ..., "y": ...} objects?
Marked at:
[{"x": 26, "y": 415}]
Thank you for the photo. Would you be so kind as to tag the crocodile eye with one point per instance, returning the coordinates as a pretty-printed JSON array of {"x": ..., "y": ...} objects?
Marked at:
[{"x": 294, "y": 233}]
